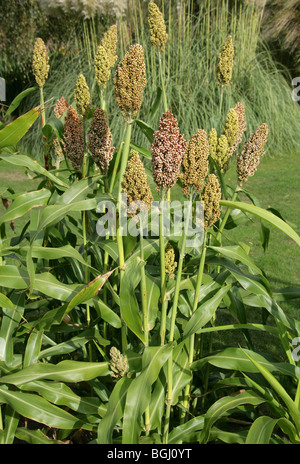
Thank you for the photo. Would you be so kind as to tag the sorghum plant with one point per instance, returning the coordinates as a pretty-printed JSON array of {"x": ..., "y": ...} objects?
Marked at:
[{"x": 106, "y": 331}]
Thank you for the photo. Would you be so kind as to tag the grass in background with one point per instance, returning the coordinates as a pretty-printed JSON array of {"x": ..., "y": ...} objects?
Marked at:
[{"x": 190, "y": 73}]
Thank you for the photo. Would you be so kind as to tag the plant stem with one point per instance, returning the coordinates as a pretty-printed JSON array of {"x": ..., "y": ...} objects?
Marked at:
[
  {"x": 164, "y": 301},
  {"x": 119, "y": 227},
  {"x": 172, "y": 328},
  {"x": 116, "y": 165},
  {"x": 162, "y": 83},
  {"x": 225, "y": 218},
  {"x": 192, "y": 338}
]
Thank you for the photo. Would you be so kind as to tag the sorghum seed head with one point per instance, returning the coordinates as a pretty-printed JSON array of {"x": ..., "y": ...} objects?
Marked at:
[
  {"x": 82, "y": 96},
  {"x": 109, "y": 43},
  {"x": 225, "y": 63},
  {"x": 167, "y": 151},
  {"x": 240, "y": 111},
  {"x": 130, "y": 80},
  {"x": 40, "y": 62},
  {"x": 222, "y": 153},
  {"x": 170, "y": 263},
  {"x": 99, "y": 140},
  {"x": 195, "y": 162},
  {"x": 158, "y": 34},
  {"x": 102, "y": 68},
  {"x": 211, "y": 197},
  {"x": 73, "y": 138},
  {"x": 213, "y": 142},
  {"x": 248, "y": 160},
  {"x": 135, "y": 185},
  {"x": 118, "y": 363},
  {"x": 231, "y": 127},
  {"x": 61, "y": 106}
]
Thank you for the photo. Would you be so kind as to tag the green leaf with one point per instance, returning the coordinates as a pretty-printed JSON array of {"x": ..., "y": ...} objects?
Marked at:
[
  {"x": 16, "y": 101},
  {"x": 128, "y": 303},
  {"x": 115, "y": 410},
  {"x": 146, "y": 129},
  {"x": 11, "y": 420},
  {"x": 143, "y": 151},
  {"x": 33, "y": 165},
  {"x": 156, "y": 103},
  {"x": 225, "y": 404},
  {"x": 261, "y": 431},
  {"x": 35, "y": 437},
  {"x": 60, "y": 394},
  {"x": 65, "y": 371},
  {"x": 265, "y": 215},
  {"x": 13, "y": 132},
  {"x": 237, "y": 359},
  {"x": 205, "y": 312},
  {"x": 33, "y": 348},
  {"x": 23, "y": 203},
  {"x": 139, "y": 392},
  {"x": 38, "y": 409},
  {"x": 10, "y": 321},
  {"x": 187, "y": 432}
]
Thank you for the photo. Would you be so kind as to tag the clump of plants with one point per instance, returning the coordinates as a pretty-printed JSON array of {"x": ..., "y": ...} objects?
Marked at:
[{"x": 110, "y": 307}]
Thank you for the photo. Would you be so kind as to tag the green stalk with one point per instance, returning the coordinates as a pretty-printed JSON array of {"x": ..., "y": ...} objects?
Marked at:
[
  {"x": 192, "y": 338},
  {"x": 43, "y": 118},
  {"x": 145, "y": 318},
  {"x": 117, "y": 162},
  {"x": 225, "y": 218},
  {"x": 119, "y": 227},
  {"x": 164, "y": 301},
  {"x": 162, "y": 84},
  {"x": 172, "y": 328}
]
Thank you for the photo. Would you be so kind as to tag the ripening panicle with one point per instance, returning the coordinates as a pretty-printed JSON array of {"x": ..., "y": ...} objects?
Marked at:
[
  {"x": 40, "y": 62},
  {"x": 158, "y": 34},
  {"x": 73, "y": 138},
  {"x": 102, "y": 67},
  {"x": 135, "y": 185},
  {"x": 109, "y": 43},
  {"x": 248, "y": 160},
  {"x": 231, "y": 127},
  {"x": 213, "y": 142},
  {"x": 225, "y": 63},
  {"x": 170, "y": 263},
  {"x": 130, "y": 80},
  {"x": 195, "y": 162},
  {"x": 242, "y": 125},
  {"x": 99, "y": 140},
  {"x": 211, "y": 197},
  {"x": 82, "y": 96},
  {"x": 61, "y": 106},
  {"x": 222, "y": 153},
  {"x": 167, "y": 151},
  {"x": 118, "y": 363}
]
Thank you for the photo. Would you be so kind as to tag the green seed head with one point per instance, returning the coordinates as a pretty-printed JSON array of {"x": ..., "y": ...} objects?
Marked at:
[
  {"x": 195, "y": 162},
  {"x": 40, "y": 62},
  {"x": 135, "y": 185},
  {"x": 222, "y": 153},
  {"x": 100, "y": 137},
  {"x": 82, "y": 96},
  {"x": 240, "y": 111},
  {"x": 118, "y": 363},
  {"x": 158, "y": 34},
  {"x": 225, "y": 63},
  {"x": 170, "y": 263},
  {"x": 211, "y": 197},
  {"x": 231, "y": 127},
  {"x": 130, "y": 80},
  {"x": 109, "y": 43},
  {"x": 102, "y": 67}
]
